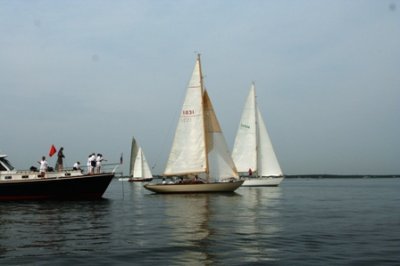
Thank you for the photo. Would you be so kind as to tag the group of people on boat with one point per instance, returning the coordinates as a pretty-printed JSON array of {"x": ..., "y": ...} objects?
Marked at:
[
  {"x": 44, "y": 165},
  {"x": 94, "y": 163},
  {"x": 185, "y": 180}
]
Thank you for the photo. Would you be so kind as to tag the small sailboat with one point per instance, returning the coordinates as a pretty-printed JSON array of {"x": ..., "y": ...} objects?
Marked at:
[
  {"x": 139, "y": 168},
  {"x": 199, "y": 157},
  {"x": 253, "y": 152}
]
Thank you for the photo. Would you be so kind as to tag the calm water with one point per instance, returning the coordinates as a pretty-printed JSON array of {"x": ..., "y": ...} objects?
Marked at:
[{"x": 303, "y": 222}]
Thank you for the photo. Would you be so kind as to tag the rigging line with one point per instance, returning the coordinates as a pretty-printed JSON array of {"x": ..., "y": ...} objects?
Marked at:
[{"x": 123, "y": 193}]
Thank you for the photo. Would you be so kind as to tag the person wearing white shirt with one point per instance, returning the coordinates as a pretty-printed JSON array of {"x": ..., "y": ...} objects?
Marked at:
[
  {"x": 88, "y": 164},
  {"x": 92, "y": 160},
  {"x": 77, "y": 166},
  {"x": 43, "y": 167},
  {"x": 99, "y": 159}
]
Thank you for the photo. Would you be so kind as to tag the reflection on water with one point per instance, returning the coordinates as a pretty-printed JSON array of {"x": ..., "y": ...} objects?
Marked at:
[
  {"x": 260, "y": 215},
  {"x": 51, "y": 227},
  {"x": 187, "y": 217},
  {"x": 223, "y": 227},
  {"x": 132, "y": 223},
  {"x": 310, "y": 222}
]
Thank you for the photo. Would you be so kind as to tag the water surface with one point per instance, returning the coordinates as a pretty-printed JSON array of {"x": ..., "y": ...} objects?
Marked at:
[{"x": 302, "y": 222}]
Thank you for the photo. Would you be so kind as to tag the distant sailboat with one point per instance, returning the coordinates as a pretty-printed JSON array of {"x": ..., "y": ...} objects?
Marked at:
[
  {"x": 139, "y": 168},
  {"x": 253, "y": 152},
  {"x": 199, "y": 156}
]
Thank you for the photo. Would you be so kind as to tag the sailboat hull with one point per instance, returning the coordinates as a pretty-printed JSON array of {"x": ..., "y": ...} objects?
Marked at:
[
  {"x": 195, "y": 188},
  {"x": 264, "y": 181},
  {"x": 140, "y": 179}
]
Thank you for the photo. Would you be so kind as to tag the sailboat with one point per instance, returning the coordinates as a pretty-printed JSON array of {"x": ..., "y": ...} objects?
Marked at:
[
  {"x": 253, "y": 152},
  {"x": 139, "y": 168},
  {"x": 199, "y": 159}
]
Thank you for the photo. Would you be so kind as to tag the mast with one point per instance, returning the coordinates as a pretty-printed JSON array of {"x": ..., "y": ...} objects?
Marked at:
[
  {"x": 257, "y": 125},
  {"x": 204, "y": 117}
]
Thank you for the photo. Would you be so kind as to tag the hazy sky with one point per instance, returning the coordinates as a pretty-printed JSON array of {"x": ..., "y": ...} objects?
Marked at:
[{"x": 89, "y": 75}]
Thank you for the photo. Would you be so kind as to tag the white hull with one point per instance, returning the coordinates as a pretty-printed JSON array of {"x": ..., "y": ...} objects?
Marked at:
[
  {"x": 262, "y": 181},
  {"x": 194, "y": 188}
]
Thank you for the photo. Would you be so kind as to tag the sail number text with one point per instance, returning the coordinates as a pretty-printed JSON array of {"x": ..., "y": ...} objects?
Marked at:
[{"x": 187, "y": 112}]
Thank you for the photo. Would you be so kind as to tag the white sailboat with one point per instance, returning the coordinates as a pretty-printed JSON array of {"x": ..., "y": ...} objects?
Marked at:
[
  {"x": 253, "y": 152},
  {"x": 199, "y": 156},
  {"x": 139, "y": 168}
]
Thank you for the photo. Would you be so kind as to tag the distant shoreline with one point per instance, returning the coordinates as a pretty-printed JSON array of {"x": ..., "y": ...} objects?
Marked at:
[
  {"x": 342, "y": 176},
  {"x": 325, "y": 176}
]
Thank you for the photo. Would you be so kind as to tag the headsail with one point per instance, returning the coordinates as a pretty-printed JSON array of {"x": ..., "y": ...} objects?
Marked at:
[
  {"x": 268, "y": 164},
  {"x": 219, "y": 159}
]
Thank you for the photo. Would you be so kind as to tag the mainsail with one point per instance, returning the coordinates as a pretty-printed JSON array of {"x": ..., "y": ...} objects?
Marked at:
[
  {"x": 188, "y": 152},
  {"x": 244, "y": 151}
]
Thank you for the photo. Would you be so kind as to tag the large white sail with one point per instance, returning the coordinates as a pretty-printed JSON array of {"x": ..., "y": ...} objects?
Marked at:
[
  {"x": 134, "y": 152},
  {"x": 139, "y": 168},
  {"x": 268, "y": 164},
  {"x": 244, "y": 152},
  {"x": 188, "y": 152},
  {"x": 220, "y": 163},
  {"x": 253, "y": 147}
]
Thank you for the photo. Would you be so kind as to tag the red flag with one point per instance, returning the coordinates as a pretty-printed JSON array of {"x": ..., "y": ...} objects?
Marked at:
[{"x": 52, "y": 150}]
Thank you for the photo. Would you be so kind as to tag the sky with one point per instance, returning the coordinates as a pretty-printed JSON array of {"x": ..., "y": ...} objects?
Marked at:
[{"x": 90, "y": 75}]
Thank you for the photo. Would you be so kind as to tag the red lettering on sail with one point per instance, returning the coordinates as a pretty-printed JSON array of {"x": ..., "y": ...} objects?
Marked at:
[{"x": 188, "y": 112}]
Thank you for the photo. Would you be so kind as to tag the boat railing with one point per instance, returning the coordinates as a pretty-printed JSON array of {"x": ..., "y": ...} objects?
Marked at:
[{"x": 105, "y": 168}]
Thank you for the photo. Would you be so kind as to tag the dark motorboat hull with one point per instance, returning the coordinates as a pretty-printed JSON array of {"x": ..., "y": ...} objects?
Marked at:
[{"x": 64, "y": 188}]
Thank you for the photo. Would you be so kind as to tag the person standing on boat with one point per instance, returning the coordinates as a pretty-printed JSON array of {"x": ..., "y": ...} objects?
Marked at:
[
  {"x": 99, "y": 160},
  {"x": 60, "y": 156},
  {"x": 43, "y": 167},
  {"x": 88, "y": 164},
  {"x": 92, "y": 160}
]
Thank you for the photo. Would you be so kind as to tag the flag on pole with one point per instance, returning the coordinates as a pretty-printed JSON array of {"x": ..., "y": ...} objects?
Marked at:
[{"x": 52, "y": 150}]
